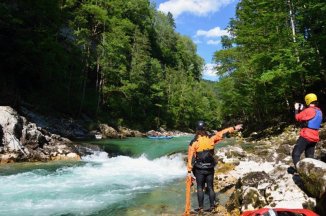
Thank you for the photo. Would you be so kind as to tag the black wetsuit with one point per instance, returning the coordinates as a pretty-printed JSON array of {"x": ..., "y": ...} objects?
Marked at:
[
  {"x": 205, "y": 176},
  {"x": 303, "y": 145}
]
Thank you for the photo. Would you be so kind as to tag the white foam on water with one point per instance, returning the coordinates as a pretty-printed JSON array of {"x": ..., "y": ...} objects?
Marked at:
[{"x": 81, "y": 190}]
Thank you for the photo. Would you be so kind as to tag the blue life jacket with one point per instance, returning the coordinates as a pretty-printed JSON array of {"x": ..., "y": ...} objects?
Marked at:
[{"x": 315, "y": 122}]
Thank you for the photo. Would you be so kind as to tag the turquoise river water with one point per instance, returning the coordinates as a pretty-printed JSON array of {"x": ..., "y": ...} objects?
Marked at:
[{"x": 146, "y": 177}]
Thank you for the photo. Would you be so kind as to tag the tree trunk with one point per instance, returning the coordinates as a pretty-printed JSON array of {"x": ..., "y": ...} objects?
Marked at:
[{"x": 84, "y": 82}]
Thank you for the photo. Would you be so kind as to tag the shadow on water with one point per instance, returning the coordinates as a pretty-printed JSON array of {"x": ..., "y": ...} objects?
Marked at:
[{"x": 115, "y": 150}]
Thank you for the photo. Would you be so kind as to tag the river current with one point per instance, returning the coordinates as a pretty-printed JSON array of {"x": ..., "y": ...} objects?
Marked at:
[{"x": 141, "y": 179}]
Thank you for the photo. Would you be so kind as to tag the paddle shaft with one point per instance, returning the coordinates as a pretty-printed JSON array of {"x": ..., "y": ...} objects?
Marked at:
[{"x": 188, "y": 196}]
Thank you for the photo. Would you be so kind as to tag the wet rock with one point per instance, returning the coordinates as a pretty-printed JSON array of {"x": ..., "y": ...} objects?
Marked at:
[
  {"x": 161, "y": 130},
  {"x": 235, "y": 152},
  {"x": 261, "y": 183},
  {"x": 73, "y": 156},
  {"x": 255, "y": 179},
  {"x": 284, "y": 149},
  {"x": 25, "y": 141},
  {"x": 137, "y": 133},
  {"x": 235, "y": 202},
  {"x": 284, "y": 191},
  {"x": 66, "y": 127},
  {"x": 220, "y": 210},
  {"x": 125, "y": 132},
  {"x": 70, "y": 156},
  {"x": 87, "y": 149},
  {"x": 8, "y": 158},
  {"x": 322, "y": 133},
  {"x": 252, "y": 199},
  {"x": 107, "y": 131},
  {"x": 225, "y": 182},
  {"x": 323, "y": 155},
  {"x": 320, "y": 151},
  {"x": 11, "y": 123},
  {"x": 313, "y": 173},
  {"x": 321, "y": 205}
]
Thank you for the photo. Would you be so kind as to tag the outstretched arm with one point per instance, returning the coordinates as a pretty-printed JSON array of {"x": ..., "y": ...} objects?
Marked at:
[{"x": 219, "y": 135}]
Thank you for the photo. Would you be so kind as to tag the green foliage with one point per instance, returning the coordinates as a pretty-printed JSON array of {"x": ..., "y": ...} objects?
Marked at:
[
  {"x": 267, "y": 64},
  {"x": 124, "y": 61},
  {"x": 36, "y": 65},
  {"x": 119, "y": 61},
  {"x": 188, "y": 101}
]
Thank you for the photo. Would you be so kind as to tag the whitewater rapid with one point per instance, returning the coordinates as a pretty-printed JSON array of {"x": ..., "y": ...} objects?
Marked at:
[{"x": 85, "y": 188}]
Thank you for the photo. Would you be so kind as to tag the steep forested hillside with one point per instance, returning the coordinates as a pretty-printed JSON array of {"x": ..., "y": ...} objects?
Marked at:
[
  {"x": 119, "y": 61},
  {"x": 124, "y": 63}
]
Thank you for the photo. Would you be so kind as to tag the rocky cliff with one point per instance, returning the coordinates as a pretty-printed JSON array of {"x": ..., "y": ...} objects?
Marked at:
[{"x": 21, "y": 140}]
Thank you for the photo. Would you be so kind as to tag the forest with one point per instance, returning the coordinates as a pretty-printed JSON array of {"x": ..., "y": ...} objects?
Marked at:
[
  {"x": 276, "y": 54},
  {"x": 123, "y": 62}
]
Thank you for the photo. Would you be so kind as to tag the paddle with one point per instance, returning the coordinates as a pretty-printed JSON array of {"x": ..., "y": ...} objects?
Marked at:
[{"x": 189, "y": 180}]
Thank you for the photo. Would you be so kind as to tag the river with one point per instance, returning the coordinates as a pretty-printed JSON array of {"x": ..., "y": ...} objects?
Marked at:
[{"x": 146, "y": 177}]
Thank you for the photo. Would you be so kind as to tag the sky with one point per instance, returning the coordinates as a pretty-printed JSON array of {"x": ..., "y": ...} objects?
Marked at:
[{"x": 204, "y": 21}]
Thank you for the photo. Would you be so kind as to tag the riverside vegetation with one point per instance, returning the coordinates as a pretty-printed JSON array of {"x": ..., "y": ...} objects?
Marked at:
[{"x": 123, "y": 63}]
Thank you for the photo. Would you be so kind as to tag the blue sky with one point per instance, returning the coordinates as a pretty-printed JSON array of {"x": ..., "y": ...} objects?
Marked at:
[{"x": 204, "y": 21}]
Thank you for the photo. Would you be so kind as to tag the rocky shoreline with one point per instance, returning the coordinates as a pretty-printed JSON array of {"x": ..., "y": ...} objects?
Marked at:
[
  {"x": 22, "y": 140},
  {"x": 29, "y": 136},
  {"x": 254, "y": 174},
  {"x": 76, "y": 129}
]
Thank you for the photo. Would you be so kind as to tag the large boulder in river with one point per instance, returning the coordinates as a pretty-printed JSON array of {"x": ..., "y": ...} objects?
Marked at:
[
  {"x": 107, "y": 131},
  {"x": 313, "y": 174},
  {"x": 253, "y": 187},
  {"x": 11, "y": 125},
  {"x": 126, "y": 132},
  {"x": 25, "y": 141}
]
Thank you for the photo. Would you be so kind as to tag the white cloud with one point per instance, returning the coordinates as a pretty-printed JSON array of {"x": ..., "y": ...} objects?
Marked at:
[
  {"x": 213, "y": 42},
  {"x": 196, "y": 7},
  {"x": 197, "y": 41},
  {"x": 209, "y": 72},
  {"x": 214, "y": 32}
]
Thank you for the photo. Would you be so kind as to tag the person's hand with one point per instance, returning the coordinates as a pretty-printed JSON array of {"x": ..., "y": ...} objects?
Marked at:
[
  {"x": 298, "y": 106},
  {"x": 238, "y": 127},
  {"x": 191, "y": 174}
]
